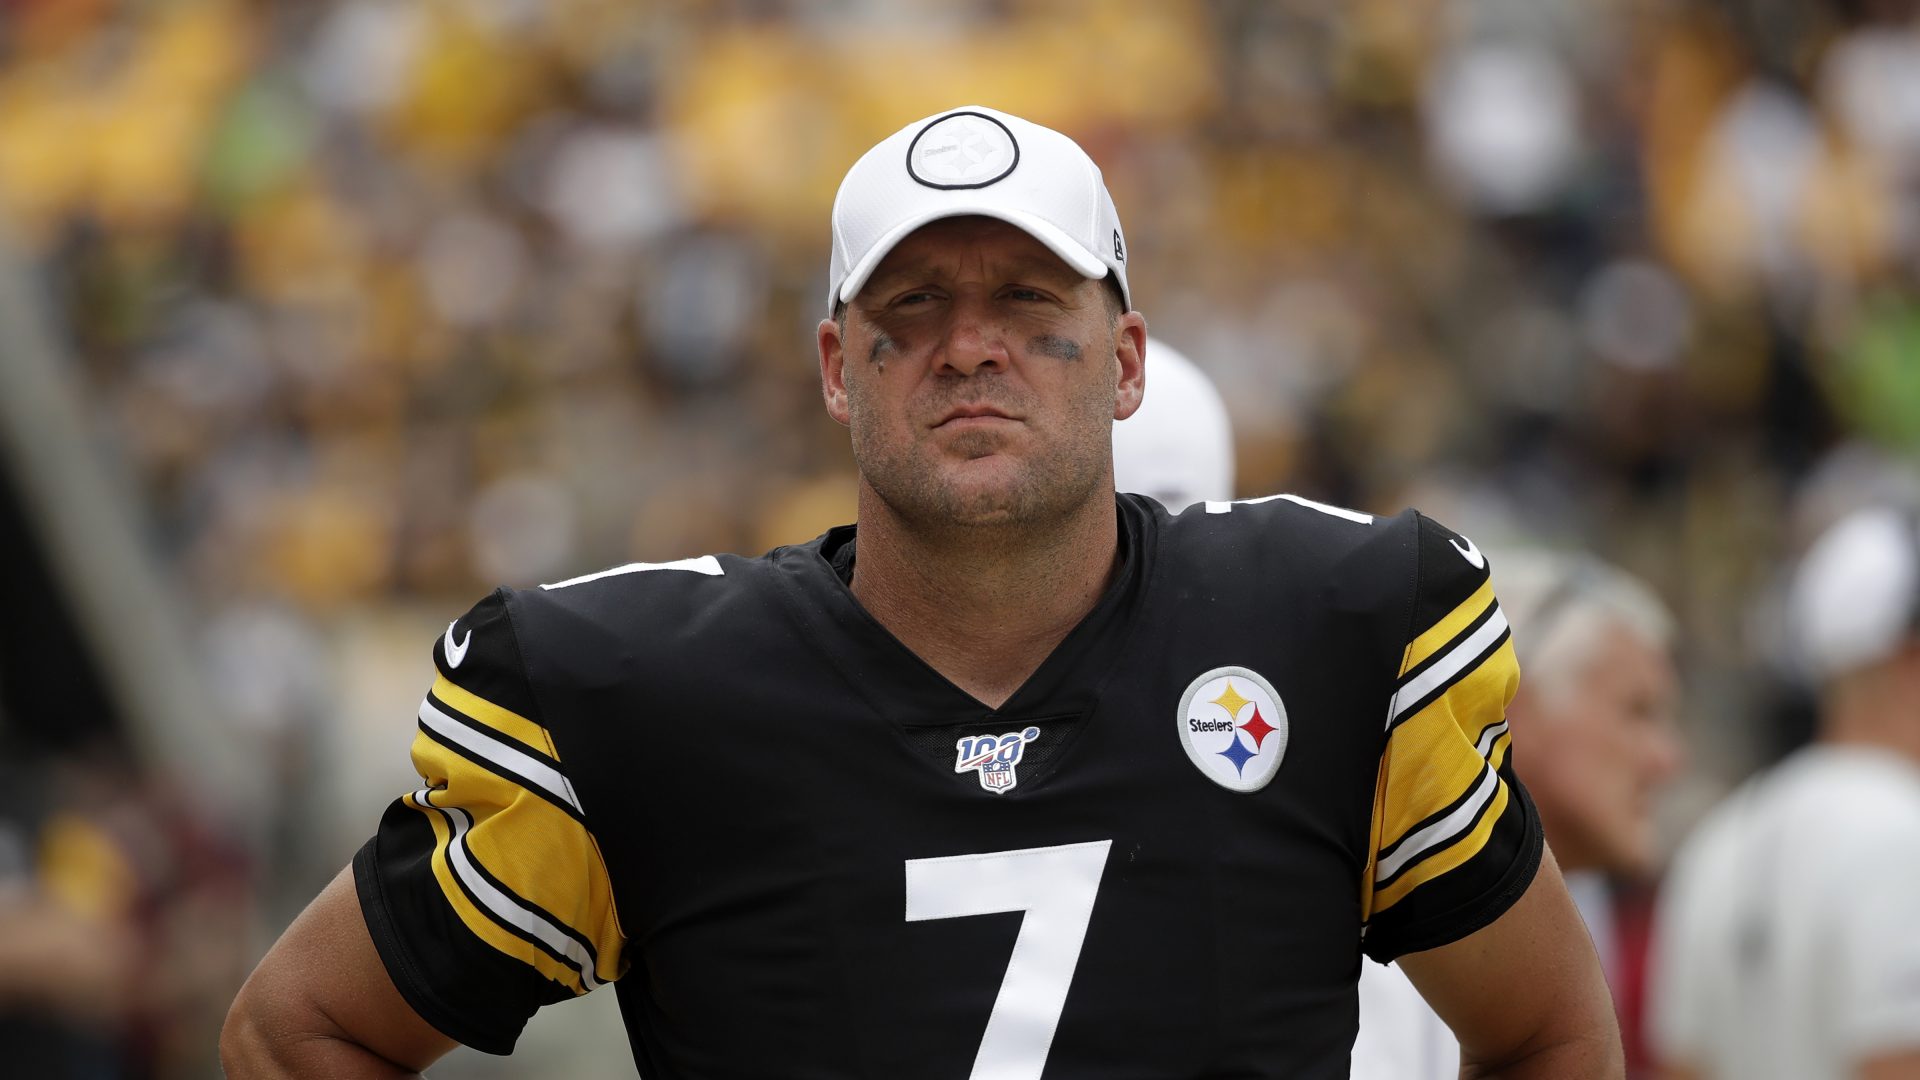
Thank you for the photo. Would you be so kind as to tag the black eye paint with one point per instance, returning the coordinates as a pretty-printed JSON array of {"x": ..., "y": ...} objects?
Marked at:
[
  {"x": 881, "y": 343},
  {"x": 1054, "y": 345}
]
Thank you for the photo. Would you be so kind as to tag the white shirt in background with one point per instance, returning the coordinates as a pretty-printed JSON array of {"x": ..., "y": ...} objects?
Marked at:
[
  {"x": 1788, "y": 936},
  {"x": 1400, "y": 1036}
]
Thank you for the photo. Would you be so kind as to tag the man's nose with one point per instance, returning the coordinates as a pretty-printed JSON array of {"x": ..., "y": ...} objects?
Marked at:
[{"x": 974, "y": 338}]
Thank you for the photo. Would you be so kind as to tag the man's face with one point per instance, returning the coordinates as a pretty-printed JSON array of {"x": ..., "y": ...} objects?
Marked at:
[
  {"x": 1596, "y": 756},
  {"x": 980, "y": 376}
]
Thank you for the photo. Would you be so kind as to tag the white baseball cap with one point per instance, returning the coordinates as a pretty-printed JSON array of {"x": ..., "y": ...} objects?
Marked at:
[
  {"x": 974, "y": 160},
  {"x": 1854, "y": 596},
  {"x": 1178, "y": 446}
]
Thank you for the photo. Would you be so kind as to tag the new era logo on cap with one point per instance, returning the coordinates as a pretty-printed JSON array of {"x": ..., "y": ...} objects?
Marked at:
[{"x": 974, "y": 160}]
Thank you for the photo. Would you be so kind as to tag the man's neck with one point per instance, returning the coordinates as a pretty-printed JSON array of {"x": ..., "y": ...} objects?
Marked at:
[
  {"x": 1875, "y": 707},
  {"x": 1895, "y": 738},
  {"x": 984, "y": 606}
]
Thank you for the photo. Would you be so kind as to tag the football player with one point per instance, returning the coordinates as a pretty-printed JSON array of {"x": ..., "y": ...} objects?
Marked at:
[{"x": 1017, "y": 778}]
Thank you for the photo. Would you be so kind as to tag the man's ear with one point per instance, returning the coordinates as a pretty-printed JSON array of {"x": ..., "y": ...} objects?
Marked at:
[
  {"x": 1130, "y": 352},
  {"x": 833, "y": 383}
]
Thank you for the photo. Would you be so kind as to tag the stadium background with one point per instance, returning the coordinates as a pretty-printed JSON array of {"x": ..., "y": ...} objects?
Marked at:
[{"x": 317, "y": 320}]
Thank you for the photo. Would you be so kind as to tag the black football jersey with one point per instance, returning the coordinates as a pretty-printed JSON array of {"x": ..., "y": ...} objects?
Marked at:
[{"x": 1277, "y": 743}]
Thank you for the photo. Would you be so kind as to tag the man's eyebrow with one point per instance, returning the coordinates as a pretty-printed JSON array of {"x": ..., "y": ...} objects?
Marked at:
[
  {"x": 882, "y": 278},
  {"x": 1053, "y": 268}
]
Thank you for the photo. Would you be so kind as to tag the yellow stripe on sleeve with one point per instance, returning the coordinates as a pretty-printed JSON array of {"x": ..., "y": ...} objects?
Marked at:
[
  {"x": 1430, "y": 764},
  {"x": 481, "y": 923},
  {"x": 1431, "y": 760},
  {"x": 1449, "y": 859},
  {"x": 533, "y": 847},
  {"x": 1437, "y": 636},
  {"x": 1497, "y": 753},
  {"x": 505, "y": 721},
  {"x": 1431, "y": 757}
]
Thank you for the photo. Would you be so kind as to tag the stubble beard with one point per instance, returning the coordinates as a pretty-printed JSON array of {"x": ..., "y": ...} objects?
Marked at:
[{"x": 930, "y": 491}]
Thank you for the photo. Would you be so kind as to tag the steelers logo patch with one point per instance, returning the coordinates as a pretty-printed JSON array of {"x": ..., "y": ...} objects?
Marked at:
[
  {"x": 962, "y": 150},
  {"x": 1234, "y": 728}
]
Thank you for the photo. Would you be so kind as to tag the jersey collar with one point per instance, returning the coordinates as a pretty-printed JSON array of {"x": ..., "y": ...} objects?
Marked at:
[{"x": 900, "y": 686}]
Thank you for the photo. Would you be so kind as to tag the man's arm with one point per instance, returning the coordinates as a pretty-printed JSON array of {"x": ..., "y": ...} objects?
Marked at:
[
  {"x": 321, "y": 1004},
  {"x": 1525, "y": 995}
]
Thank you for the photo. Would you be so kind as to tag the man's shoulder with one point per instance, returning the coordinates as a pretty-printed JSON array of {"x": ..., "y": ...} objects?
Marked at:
[
  {"x": 1406, "y": 568},
  {"x": 1301, "y": 537},
  {"x": 702, "y": 578},
  {"x": 640, "y": 605},
  {"x": 1870, "y": 796},
  {"x": 618, "y": 586},
  {"x": 1293, "y": 524},
  {"x": 1831, "y": 805}
]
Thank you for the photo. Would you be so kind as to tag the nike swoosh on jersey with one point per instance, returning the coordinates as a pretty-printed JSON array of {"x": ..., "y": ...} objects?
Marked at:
[
  {"x": 1469, "y": 553},
  {"x": 456, "y": 653}
]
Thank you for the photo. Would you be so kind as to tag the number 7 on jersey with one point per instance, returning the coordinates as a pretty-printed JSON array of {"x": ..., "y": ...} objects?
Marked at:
[{"x": 1056, "y": 887}]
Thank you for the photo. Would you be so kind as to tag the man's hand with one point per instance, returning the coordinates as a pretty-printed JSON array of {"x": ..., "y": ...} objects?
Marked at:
[
  {"x": 321, "y": 1004},
  {"x": 1526, "y": 995}
]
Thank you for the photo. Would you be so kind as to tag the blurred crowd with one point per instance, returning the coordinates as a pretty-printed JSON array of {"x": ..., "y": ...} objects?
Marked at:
[{"x": 380, "y": 303}]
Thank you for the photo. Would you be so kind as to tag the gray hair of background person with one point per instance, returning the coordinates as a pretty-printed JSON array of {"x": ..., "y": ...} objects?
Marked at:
[
  {"x": 1560, "y": 607},
  {"x": 1178, "y": 448}
]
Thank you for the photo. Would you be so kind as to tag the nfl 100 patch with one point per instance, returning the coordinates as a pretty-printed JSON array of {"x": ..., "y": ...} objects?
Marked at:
[
  {"x": 995, "y": 757},
  {"x": 1233, "y": 727}
]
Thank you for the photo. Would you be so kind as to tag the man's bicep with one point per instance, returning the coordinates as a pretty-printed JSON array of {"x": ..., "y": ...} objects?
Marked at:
[
  {"x": 1527, "y": 981},
  {"x": 324, "y": 983}
]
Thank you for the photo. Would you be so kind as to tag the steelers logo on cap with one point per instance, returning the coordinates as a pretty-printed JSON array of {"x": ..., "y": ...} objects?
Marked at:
[{"x": 962, "y": 150}]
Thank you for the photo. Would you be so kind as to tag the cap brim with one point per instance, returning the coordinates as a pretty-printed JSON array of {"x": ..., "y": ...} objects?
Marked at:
[{"x": 1055, "y": 238}]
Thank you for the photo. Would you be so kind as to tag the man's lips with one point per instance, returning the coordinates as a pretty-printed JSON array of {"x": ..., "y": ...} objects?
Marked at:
[{"x": 971, "y": 415}]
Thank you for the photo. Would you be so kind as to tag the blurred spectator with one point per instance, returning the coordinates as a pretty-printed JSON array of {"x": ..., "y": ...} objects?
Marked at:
[
  {"x": 1787, "y": 940},
  {"x": 67, "y": 957},
  {"x": 1595, "y": 741},
  {"x": 1178, "y": 446},
  {"x": 117, "y": 917},
  {"x": 350, "y": 288}
]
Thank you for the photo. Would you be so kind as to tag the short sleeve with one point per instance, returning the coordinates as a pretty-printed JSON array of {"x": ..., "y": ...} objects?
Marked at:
[
  {"x": 483, "y": 889},
  {"x": 1880, "y": 1010},
  {"x": 1454, "y": 838}
]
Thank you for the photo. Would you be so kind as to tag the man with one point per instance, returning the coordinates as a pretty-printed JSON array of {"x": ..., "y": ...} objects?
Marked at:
[
  {"x": 1788, "y": 938},
  {"x": 1022, "y": 778},
  {"x": 1596, "y": 714}
]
